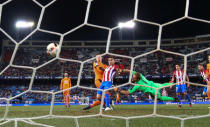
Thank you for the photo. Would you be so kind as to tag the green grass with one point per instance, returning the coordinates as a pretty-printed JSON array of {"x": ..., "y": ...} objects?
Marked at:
[
  {"x": 185, "y": 111},
  {"x": 202, "y": 122},
  {"x": 120, "y": 110},
  {"x": 9, "y": 124},
  {"x": 2, "y": 111},
  {"x": 28, "y": 111},
  {"x": 155, "y": 122},
  {"x": 102, "y": 122}
]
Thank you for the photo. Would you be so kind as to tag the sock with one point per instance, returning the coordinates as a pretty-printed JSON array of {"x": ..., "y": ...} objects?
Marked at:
[
  {"x": 65, "y": 100},
  {"x": 95, "y": 103},
  {"x": 104, "y": 102},
  {"x": 107, "y": 98},
  {"x": 179, "y": 98},
  {"x": 188, "y": 98},
  {"x": 68, "y": 100}
]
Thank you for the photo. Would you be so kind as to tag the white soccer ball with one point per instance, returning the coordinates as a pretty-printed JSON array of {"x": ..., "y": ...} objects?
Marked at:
[{"x": 52, "y": 49}]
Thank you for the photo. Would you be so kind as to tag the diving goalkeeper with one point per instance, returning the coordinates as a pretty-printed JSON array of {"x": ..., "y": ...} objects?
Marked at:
[{"x": 141, "y": 80}]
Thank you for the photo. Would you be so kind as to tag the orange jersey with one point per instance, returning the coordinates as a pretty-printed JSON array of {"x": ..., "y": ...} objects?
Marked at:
[
  {"x": 65, "y": 83},
  {"x": 208, "y": 71},
  {"x": 99, "y": 68}
]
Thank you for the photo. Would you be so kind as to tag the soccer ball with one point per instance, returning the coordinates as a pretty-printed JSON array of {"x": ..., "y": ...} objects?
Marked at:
[{"x": 52, "y": 49}]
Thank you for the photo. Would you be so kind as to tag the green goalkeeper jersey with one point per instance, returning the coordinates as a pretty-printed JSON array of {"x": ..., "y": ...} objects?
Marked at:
[{"x": 144, "y": 82}]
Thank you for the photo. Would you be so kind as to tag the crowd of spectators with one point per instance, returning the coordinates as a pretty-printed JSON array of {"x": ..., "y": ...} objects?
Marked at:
[{"x": 157, "y": 63}]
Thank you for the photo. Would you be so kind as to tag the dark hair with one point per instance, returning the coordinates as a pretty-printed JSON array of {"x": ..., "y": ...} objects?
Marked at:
[
  {"x": 111, "y": 57},
  {"x": 137, "y": 75},
  {"x": 200, "y": 64}
]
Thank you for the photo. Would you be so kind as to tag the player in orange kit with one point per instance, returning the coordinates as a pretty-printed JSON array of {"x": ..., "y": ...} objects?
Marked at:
[
  {"x": 208, "y": 77},
  {"x": 66, "y": 84},
  {"x": 98, "y": 68}
]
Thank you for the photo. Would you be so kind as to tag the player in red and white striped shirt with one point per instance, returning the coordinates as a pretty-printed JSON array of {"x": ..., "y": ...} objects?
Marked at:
[
  {"x": 109, "y": 72},
  {"x": 205, "y": 79},
  {"x": 106, "y": 83},
  {"x": 181, "y": 86},
  {"x": 108, "y": 76}
]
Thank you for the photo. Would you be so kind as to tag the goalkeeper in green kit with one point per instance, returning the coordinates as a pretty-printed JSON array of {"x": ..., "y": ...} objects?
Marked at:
[{"x": 141, "y": 80}]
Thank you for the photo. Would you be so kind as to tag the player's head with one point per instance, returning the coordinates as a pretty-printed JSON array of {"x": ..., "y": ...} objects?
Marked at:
[
  {"x": 66, "y": 74},
  {"x": 111, "y": 60},
  {"x": 136, "y": 77},
  {"x": 200, "y": 67},
  {"x": 177, "y": 66},
  {"x": 98, "y": 58}
]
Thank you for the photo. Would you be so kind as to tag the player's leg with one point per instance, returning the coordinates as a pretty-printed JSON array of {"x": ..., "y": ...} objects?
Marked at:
[
  {"x": 165, "y": 98},
  {"x": 161, "y": 85},
  {"x": 64, "y": 98},
  {"x": 118, "y": 98},
  {"x": 68, "y": 98},
  {"x": 107, "y": 97},
  {"x": 99, "y": 94},
  {"x": 107, "y": 100},
  {"x": 98, "y": 101},
  {"x": 111, "y": 101},
  {"x": 187, "y": 96},
  {"x": 162, "y": 98},
  {"x": 204, "y": 93},
  {"x": 178, "y": 91},
  {"x": 97, "y": 83}
]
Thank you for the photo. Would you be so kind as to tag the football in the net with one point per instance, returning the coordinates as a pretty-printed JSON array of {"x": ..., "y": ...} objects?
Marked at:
[{"x": 52, "y": 49}]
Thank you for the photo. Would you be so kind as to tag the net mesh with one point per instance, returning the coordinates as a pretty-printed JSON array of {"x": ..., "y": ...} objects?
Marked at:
[{"x": 5, "y": 119}]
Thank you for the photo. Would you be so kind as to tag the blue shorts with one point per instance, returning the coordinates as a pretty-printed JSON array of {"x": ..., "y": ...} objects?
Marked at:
[
  {"x": 104, "y": 85},
  {"x": 204, "y": 89},
  {"x": 181, "y": 88}
]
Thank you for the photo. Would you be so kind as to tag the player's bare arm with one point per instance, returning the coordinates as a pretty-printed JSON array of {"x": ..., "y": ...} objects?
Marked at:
[{"x": 187, "y": 78}]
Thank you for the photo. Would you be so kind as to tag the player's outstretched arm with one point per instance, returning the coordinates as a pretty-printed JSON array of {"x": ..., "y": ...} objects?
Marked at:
[
  {"x": 126, "y": 92},
  {"x": 125, "y": 70},
  {"x": 172, "y": 80},
  {"x": 188, "y": 85}
]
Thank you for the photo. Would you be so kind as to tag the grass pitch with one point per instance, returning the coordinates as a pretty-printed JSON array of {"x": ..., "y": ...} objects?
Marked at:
[{"x": 120, "y": 110}]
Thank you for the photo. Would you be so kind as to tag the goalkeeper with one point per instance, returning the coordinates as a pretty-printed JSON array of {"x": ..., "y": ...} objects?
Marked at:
[{"x": 141, "y": 80}]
